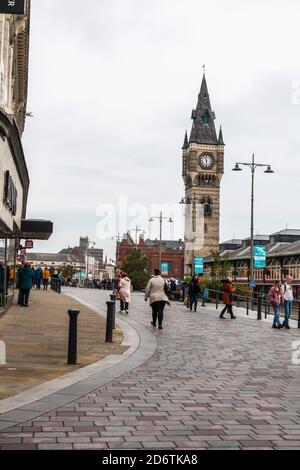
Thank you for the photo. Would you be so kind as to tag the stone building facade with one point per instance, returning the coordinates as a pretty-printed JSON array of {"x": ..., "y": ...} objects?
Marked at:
[{"x": 202, "y": 171}]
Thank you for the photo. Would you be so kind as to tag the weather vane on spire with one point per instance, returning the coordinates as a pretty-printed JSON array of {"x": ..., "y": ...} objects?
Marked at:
[{"x": 203, "y": 68}]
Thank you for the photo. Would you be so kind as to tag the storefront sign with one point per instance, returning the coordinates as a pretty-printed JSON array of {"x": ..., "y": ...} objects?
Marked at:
[
  {"x": 198, "y": 265},
  {"x": 29, "y": 244},
  {"x": 10, "y": 193},
  {"x": 260, "y": 257},
  {"x": 13, "y": 7}
]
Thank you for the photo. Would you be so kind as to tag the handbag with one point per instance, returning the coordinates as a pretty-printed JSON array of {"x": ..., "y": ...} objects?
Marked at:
[{"x": 167, "y": 290}]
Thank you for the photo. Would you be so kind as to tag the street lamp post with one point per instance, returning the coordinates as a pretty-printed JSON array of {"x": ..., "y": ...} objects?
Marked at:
[
  {"x": 195, "y": 200},
  {"x": 86, "y": 253},
  {"x": 117, "y": 238},
  {"x": 161, "y": 219},
  {"x": 136, "y": 230},
  {"x": 253, "y": 165}
]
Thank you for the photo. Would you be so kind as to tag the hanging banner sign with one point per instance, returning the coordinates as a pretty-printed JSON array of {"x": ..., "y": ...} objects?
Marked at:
[
  {"x": 12, "y": 7},
  {"x": 164, "y": 267},
  {"x": 260, "y": 257},
  {"x": 199, "y": 266}
]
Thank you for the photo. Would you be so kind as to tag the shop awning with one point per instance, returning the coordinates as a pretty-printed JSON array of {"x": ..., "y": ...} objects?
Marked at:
[{"x": 36, "y": 229}]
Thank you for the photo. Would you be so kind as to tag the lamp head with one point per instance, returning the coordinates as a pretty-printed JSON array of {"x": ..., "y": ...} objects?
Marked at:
[
  {"x": 237, "y": 168},
  {"x": 269, "y": 170}
]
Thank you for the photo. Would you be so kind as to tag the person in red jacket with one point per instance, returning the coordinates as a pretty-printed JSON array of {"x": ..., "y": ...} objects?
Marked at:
[
  {"x": 228, "y": 290},
  {"x": 275, "y": 298}
]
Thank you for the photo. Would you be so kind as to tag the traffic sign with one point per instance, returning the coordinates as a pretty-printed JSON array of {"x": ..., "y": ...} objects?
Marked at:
[{"x": 252, "y": 284}]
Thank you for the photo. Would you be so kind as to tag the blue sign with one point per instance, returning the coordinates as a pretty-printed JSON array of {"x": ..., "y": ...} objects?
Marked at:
[
  {"x": 260, "y": 257},
  {"x": 164, "y": 267},
  {"x": 198, "y": 265},
  {"x": 252, "y": 284}
]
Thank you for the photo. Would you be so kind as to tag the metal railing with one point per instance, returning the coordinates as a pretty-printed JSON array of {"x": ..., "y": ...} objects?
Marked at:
[{"x": 257, "y": 303}]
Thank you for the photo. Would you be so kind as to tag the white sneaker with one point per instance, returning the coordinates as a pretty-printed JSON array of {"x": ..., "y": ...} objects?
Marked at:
[{"x": 123, "y": 311}]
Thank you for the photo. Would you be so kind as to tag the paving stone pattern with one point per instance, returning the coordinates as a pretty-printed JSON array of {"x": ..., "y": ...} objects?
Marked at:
[{"x": 212, "y": 384}]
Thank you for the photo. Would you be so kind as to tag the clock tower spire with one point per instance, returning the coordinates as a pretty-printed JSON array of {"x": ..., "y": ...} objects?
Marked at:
[{"x": 202, "y": 171}]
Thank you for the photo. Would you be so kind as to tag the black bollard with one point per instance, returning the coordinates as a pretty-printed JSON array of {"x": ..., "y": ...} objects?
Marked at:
[
  {"x": 259, "y": 307},
  {"x": 72, "y": 349},
  {"x": 109, "y": 321},
  {"x": 113, "y": 299},
  {"x": 217, "y": 301},
  {"x": 299, "y": 316},
  {"x": 247, "y": 306}
]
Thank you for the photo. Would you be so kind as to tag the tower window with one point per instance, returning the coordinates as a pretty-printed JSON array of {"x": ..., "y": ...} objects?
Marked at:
[{"x": 206, "y": 117}]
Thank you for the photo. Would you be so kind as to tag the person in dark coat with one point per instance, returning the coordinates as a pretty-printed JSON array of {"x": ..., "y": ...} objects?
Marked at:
[
  {"x": 38, "y": 278},
  {"x": 228, "y": 290},
  {"x": 26, "y": 279},
  {"x": 194, "y": 292}
]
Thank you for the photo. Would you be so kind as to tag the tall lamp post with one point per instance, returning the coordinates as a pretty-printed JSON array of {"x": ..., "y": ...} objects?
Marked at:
[
  {"x": 161, "y": 219},
  {"x": 87, "y": 258},
  {"x": 136, "y": 230},
  {"x": 207, "y": 211},
  {"x": 252, "y": 165},
  {"x": 117, "y": 238}
]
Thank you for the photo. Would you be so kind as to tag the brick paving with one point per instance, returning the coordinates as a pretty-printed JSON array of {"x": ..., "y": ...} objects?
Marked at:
[{"x": 211, "y": 384}]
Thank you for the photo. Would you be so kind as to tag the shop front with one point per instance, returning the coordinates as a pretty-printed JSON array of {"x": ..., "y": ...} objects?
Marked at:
[{"x": 14, "y": 185}]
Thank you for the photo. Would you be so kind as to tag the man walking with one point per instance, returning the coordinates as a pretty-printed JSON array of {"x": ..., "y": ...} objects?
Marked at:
[{"x": 288, "y": 298}]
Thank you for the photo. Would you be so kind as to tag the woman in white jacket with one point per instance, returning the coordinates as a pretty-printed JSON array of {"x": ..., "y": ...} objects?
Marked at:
[
  {"x": 125, "y": 292},
  {"x": 155, "y": 292}
]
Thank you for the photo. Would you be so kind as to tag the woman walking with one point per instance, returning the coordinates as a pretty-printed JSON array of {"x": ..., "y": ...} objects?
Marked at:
[
  {"x": 155, "y": 292},
  {"x": 228, "y": 290},
  {"x": 275, "y": 297},
  {"x": 125, "y": 293},
  {"x": 26, "y": 279}
]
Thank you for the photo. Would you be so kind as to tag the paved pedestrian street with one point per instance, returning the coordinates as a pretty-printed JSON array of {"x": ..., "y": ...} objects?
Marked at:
[{"x": 209, "y": 384}]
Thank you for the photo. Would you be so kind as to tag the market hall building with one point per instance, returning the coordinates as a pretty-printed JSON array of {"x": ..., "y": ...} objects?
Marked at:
[{"x": 14, "y": 178}]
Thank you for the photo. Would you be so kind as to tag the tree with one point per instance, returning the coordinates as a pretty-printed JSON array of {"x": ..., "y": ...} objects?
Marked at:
[
  {"x": 138, "y": 267},
  {"x": 221, "y": 265}
]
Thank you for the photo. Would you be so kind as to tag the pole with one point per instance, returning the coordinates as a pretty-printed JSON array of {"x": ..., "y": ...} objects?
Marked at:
[
  {"x": 109, "y": 322},
  {"x": 252, "y": 220},
  {"x": 160, "y": 238},
  {"x": 72, "y": 347},
  {"x": 259, "y": 307},
  {"x": 113, "y": 299},
  {"x": 299, "y": 316}
]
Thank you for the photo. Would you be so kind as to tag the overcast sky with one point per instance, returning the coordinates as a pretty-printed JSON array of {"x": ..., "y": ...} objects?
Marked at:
[{"x": 111, "y": 87}]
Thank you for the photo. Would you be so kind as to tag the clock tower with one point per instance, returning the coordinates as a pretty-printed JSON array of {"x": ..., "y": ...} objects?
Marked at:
[{"x": 202, "y": 171}]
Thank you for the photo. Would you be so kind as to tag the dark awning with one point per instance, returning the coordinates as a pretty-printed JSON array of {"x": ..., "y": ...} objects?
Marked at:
[{"x": 36, "y": 229}]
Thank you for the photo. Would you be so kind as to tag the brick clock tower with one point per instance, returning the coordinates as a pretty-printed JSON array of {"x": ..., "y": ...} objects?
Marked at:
[{"x": 202, "y": 171}]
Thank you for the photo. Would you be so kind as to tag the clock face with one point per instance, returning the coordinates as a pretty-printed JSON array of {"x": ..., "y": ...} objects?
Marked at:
[{"x": 206, "y": 161}]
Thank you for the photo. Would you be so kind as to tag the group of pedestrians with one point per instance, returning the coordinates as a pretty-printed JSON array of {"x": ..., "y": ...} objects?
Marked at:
[
  {"x": 282, "y": 294},
  {"x": 28, "y": 277}
]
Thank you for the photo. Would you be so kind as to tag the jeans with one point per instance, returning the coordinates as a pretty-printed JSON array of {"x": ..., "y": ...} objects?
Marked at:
[
  {"x": 287, "y": 310},
  {"x": 158, "y": 312},
  {"x": 276, "y": 309},
  {"x": 124, "y": 305},
  {"x": 194, "y": 300}
]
